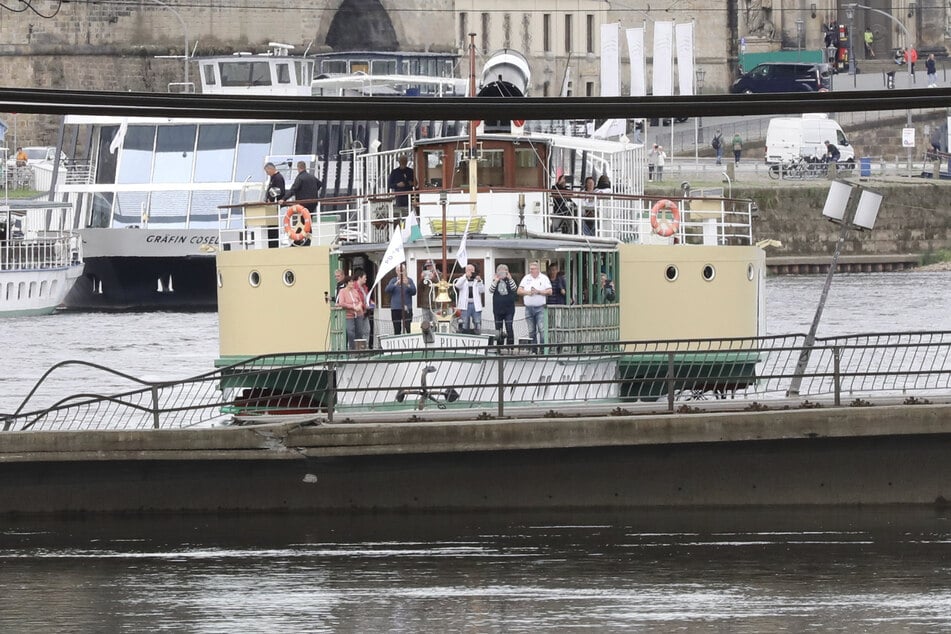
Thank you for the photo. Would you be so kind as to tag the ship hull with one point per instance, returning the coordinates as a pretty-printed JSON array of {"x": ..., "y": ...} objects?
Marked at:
[{"x": 144, "y": 269}]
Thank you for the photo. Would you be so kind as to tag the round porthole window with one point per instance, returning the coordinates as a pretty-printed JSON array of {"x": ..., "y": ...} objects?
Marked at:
[
  {"x": 289, "y": 278},
  {"x": 708, "y": 272},
  {"x": 220, "y": 280},
  {"x": 671, "y": 273},
  {"x": 254, "y": 279},
  {"x": 750, "y": 271}
]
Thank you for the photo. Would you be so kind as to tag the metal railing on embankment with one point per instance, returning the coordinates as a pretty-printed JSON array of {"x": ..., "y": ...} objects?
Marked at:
[{"x": 566, "y": 379}]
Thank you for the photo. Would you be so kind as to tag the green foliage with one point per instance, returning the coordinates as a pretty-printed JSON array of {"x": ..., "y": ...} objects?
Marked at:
[{"x": 933, "y": 257}]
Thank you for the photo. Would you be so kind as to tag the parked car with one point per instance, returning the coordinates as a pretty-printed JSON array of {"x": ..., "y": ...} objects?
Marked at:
[{"x": 784, "y": 77}]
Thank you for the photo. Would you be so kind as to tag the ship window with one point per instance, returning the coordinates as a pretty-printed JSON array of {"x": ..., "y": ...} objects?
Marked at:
[
  {"x": 492, "y": 168},
  {"x": 708, "y": 272},
  {"x": 21, "y": 290},
  {"x": 749, "y": 272},
  {"x": 283, "y": 73},
  {"x": 384, "y": 67},
  {"x": 43, "y": 289},
  {"x": 671, "y": 273},
  {"x": 526, "y": 168},
  {"x": 254, "y": 141},
  {"x": 254, "y": 279},
  {"x": 129, "y": 208},
  {"x": 205, "y": 207},
  {"x": 168, "y": 207},
  {"x": 289, "y": 278},
  {"x": 174, "y": 154},
  {"x": 333, "y": 67},
  {"x": 245, "y": 73},
  {"x": 360, "y": 66},
  {"x": 305, "y": 139},
  {"x": 220, "y": 279},
  {"x": 216, "y": 149},
  {"x": 209, "y": 70},
  {"x": 32, "y": 289},
  {"x": 434, "y": 162},
  {"x": 283, "y": 141},
  {"x": 135, "y": 164}
]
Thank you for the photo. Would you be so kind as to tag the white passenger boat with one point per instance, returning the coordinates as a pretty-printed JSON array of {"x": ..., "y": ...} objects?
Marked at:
[
  {"x": 39, "y": 260},
  {"x": 146, "y": 190},
  {"x": 683, "y": 269}
]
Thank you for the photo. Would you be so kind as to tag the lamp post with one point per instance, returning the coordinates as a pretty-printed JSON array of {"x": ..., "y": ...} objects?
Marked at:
[
  {"x": 184, "y": 31},
  {"x": 850, "y": 14},
  {"x": 862, "y": 218},
  {"x": 800, "y": 27},
  {"x": 699, "y": 74}
]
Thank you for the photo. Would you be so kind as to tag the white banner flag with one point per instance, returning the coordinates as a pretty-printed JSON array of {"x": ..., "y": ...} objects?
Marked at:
[
  {"x": 462, "y": 255},
  {"x": 685, "y": 57},
  {"x": 394, "y": 255},
  {"x": 663, "y": 59},
  {"x": 610, "y": 60},
  {"x": 635, "y": 48}
]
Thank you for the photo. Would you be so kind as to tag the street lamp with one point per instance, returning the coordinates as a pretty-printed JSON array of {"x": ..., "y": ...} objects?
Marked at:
[
  {"x": 850, "y": 14},
  {"x": 862, "y": 218},
  {"x": 184, "y": 31},
  {"x": 699, "y": 74},
  {"x": 800, "y": 26}
]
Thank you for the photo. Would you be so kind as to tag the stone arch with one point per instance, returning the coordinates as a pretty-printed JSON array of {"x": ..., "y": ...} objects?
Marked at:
[{"x": 361, "y": 25}]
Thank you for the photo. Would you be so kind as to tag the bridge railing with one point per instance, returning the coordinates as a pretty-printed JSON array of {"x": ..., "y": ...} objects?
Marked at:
[{"x": 563, "y": 378}]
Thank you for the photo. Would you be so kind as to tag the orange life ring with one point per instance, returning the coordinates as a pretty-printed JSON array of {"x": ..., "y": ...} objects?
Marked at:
[
  {"x": 297, "y": 223},
  {"x": 662, "y": 226}
]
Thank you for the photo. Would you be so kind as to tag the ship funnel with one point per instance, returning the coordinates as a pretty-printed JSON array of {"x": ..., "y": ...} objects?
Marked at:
[{"x": 505, "y": 74}]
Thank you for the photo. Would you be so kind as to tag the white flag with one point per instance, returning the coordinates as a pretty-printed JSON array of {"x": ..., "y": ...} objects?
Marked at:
[
  {"x": 119, "y": 137},
  {"x": 610, "y": 60},
  {"x": 462, "y": 256},
  {"x": 411, "y": 230},
  {"x": 635, "y": 46},
  {"x": 685, "y": 72},
  {"x": 663, "y": 59},
  {"x": 394, "y": 255}
]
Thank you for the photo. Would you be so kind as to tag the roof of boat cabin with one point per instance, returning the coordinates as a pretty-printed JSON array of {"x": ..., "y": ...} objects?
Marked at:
[{"x": 432, "y": 245}]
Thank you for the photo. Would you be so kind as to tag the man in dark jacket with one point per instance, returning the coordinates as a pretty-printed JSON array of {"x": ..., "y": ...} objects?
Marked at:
[
  {"x": 306, "y": 187},
  {"x": 275, "y": 186}
]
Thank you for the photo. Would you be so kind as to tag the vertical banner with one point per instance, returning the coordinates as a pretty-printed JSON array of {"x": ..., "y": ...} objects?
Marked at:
[
  {"x": 663, "y": 59},
  {"x": 635, "y": 48},
  {"x": 685, "y": 57},
  {"x": 610, "y": 60}
]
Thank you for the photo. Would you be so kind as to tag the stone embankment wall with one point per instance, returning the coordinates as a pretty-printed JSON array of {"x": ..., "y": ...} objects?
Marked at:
[{"x": 915, "y": 217}]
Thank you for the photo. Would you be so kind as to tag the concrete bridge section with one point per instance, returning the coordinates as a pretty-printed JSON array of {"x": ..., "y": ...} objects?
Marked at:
[{"x": 816, "y": 456}]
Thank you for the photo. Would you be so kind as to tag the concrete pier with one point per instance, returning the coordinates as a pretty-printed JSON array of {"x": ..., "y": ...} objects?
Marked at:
[{"x": 856, "y": 455}]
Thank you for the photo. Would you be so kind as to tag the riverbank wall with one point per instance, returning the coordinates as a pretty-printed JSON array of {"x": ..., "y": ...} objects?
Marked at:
[{"x": 814, "y": 456}]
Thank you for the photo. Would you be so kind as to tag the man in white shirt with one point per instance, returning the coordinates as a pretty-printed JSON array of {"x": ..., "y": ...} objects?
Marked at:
[{"x": 534, "y": 290}]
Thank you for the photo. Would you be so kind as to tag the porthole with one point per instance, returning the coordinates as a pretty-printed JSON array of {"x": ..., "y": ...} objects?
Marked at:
[
  {"x": 671, "y": 273},
  {"x": 220, "y": 281},
  {"x": 750, "y": 271},
  {"x": 254, "y": 279},
  {"x": 708, "y": 272},
  {"x": 289, "y": 278}
]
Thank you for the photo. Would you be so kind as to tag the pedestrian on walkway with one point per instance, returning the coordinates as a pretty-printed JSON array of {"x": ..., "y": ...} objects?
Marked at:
[
  {"x": 661, "y": 161},
  {"x": 737, "y": 148},
  {"x": 651, "y": 162},
  {"x": 717, "y": 144},
  {"x": 932, "y": 71},
  {"x": 869, "y": 51}
]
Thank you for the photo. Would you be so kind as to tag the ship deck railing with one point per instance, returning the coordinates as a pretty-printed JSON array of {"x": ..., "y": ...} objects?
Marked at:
[
  {"x": 566, "y": 379},
  {"x": 498, "y": 212},
  {"x": 39, "y": 253}
]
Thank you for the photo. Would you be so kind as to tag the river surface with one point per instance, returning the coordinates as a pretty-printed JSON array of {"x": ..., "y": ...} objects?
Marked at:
[
  {"x": 728, "y": 570},
  {"x": 168, "y": 346}
]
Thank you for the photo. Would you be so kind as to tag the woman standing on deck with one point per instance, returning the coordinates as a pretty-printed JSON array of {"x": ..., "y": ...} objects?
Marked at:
[{"x": 350, "y": 299}]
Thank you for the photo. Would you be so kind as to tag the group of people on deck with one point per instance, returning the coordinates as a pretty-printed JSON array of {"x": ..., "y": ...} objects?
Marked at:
[
  {"x": 536, "y": 289},
  {"x": 565, "y": 208}
]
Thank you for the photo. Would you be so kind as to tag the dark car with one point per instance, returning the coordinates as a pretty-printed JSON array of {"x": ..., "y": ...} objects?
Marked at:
[{"x": 784, "y": 77}]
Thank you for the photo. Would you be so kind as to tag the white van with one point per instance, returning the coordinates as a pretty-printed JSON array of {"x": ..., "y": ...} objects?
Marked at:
[{"x": 789, "y": 137}]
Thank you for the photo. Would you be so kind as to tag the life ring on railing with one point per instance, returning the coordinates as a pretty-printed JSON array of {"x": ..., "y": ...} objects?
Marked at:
[
  {"x": 297, "y": 223},
  {"x": 662, "y": 226}
]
